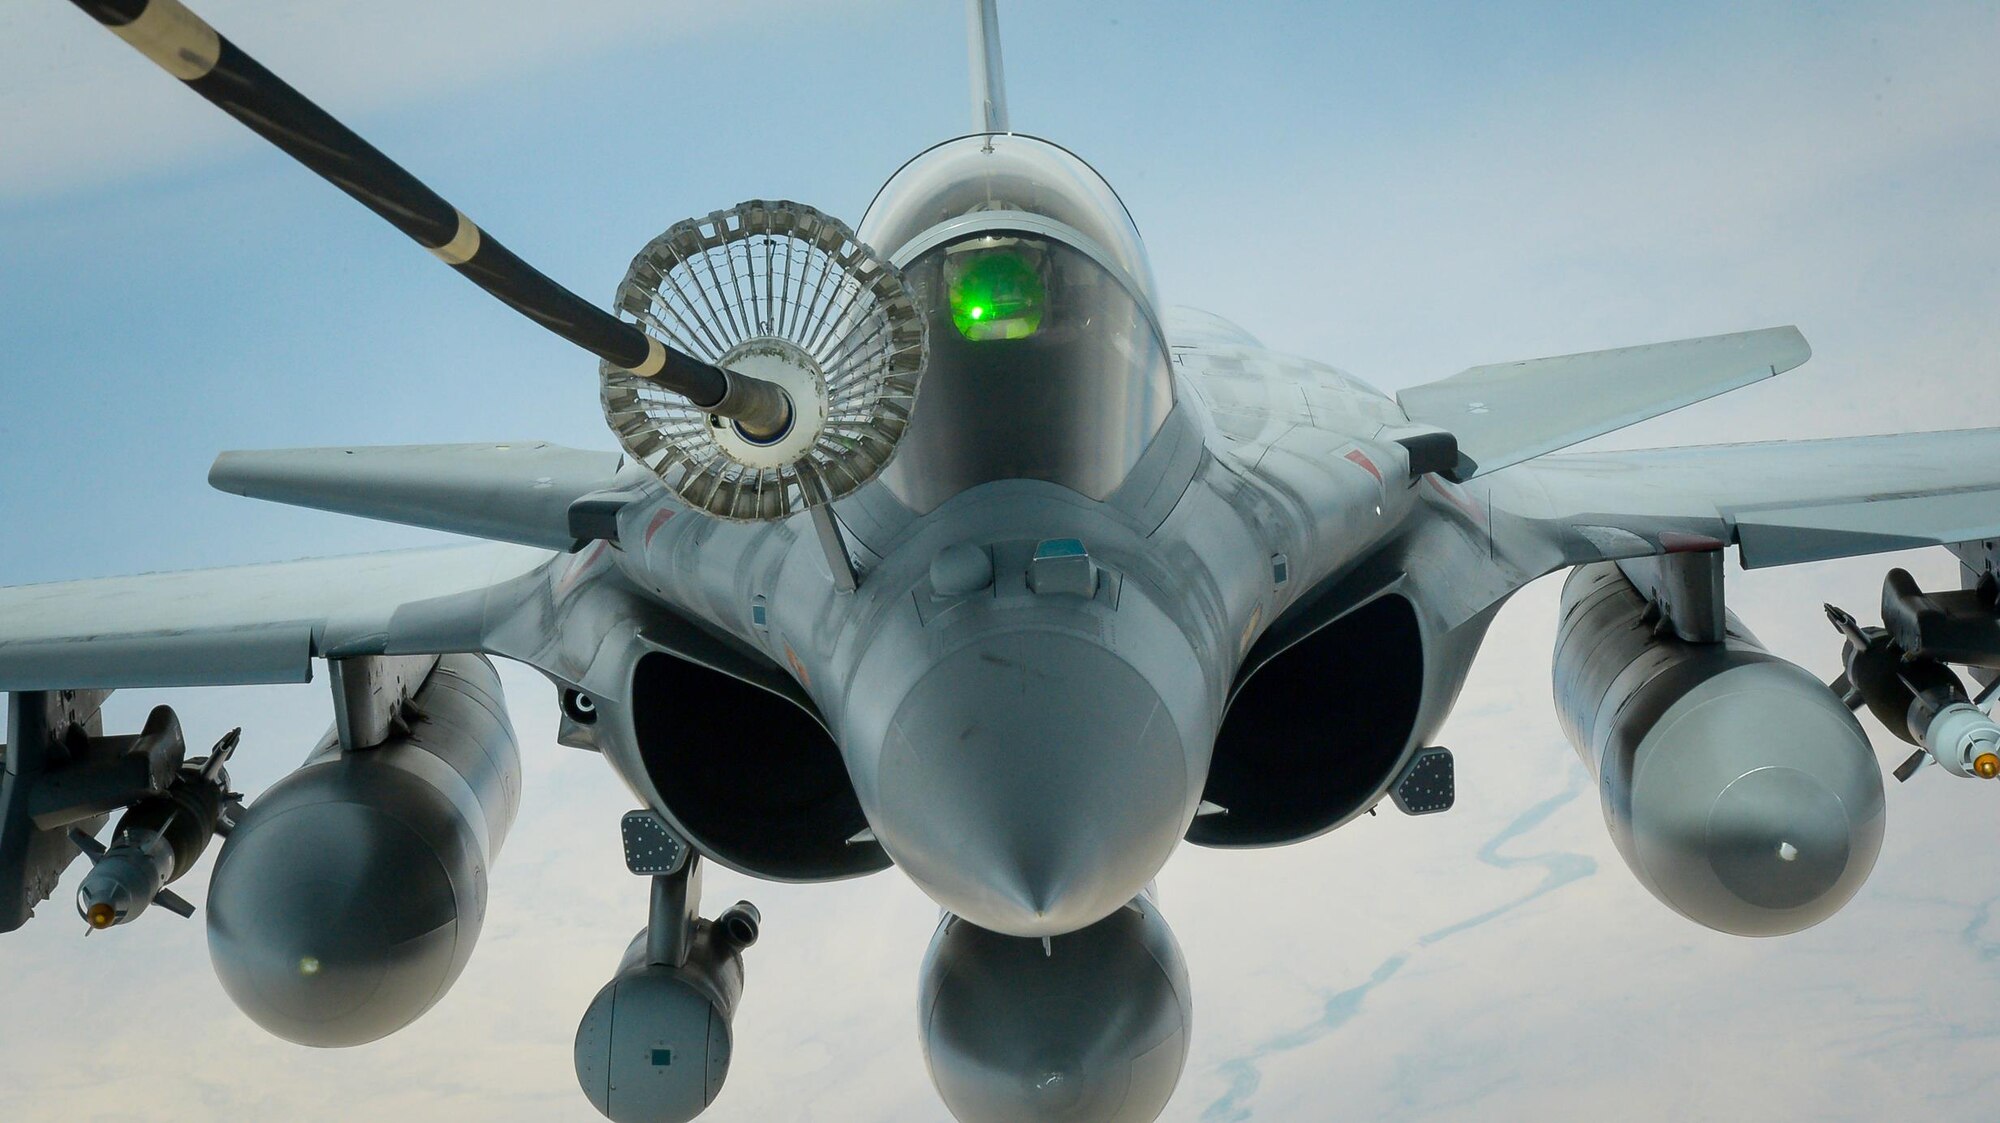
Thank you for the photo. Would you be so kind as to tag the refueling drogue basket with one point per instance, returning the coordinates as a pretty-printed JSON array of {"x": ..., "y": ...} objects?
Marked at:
[{"x": 779, "y": 291}]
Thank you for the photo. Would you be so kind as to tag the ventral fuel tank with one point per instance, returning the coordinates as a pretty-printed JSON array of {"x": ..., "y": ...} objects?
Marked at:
[
  {"x": 1091, "y": 1028},
  {"x": 1738, "y": 788},
  {"x": 349, "y": 898}
]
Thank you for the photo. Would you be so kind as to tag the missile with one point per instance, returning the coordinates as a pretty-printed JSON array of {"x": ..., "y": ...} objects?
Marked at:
[
  {"x": 126, "y": 878},
  {"x": 1963, "y": 739},
  {"x": 157, "y": 841},
  {"x": 1919, "y": 699}
]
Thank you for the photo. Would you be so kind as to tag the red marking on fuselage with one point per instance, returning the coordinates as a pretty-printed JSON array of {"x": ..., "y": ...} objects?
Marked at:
[
  {"x": 1360, "y": 458},
  {"x": 1680, "y": 542},
  {"x": 659, "y": 520},
  {"x": 579, "y": 567},
  {"x": 1451, "y": 494}
]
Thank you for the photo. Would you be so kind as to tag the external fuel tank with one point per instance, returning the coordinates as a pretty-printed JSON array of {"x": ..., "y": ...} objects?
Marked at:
[
  {"x": 350, "y": 897},
  {"x": 1738, "y": 788},
  {"x": 1089, "y": 1027}
]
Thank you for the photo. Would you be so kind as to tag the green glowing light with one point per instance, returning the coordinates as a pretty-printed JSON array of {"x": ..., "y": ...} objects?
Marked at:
[{"x": 995, "y": 294}]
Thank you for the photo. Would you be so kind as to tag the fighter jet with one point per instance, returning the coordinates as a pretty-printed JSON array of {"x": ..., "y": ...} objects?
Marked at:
[{"x": 942, "y": 542}]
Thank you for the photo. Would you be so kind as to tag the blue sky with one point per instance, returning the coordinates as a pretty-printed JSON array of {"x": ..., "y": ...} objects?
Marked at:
[{"x": 1400, "y": 189}]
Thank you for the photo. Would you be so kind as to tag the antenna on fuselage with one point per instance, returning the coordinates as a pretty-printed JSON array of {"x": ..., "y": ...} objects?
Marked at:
[{"x": 989, "y": 78}]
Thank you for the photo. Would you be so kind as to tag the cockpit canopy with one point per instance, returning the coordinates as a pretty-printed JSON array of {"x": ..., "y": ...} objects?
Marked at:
[{"x": 1046, "y": 356}]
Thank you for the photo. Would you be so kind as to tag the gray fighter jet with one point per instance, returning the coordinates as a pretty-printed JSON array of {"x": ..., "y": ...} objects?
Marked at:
[{"x": 941, "y": 542}]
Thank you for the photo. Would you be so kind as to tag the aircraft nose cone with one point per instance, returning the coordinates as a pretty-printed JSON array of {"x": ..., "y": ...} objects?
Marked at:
[{"x": 1032, "y": 783}]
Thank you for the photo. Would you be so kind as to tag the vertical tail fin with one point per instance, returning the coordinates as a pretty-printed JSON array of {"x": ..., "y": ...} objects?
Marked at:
[{"x": 989, "y": 78}]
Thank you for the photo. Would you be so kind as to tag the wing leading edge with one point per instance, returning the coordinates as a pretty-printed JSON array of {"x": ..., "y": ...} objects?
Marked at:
[
  {"x": 513, "y": 492},
  {"x": 249, "y": 624},
  {"x": 1781, "y": 502},
  {"x": 1507, "y": 413}
]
